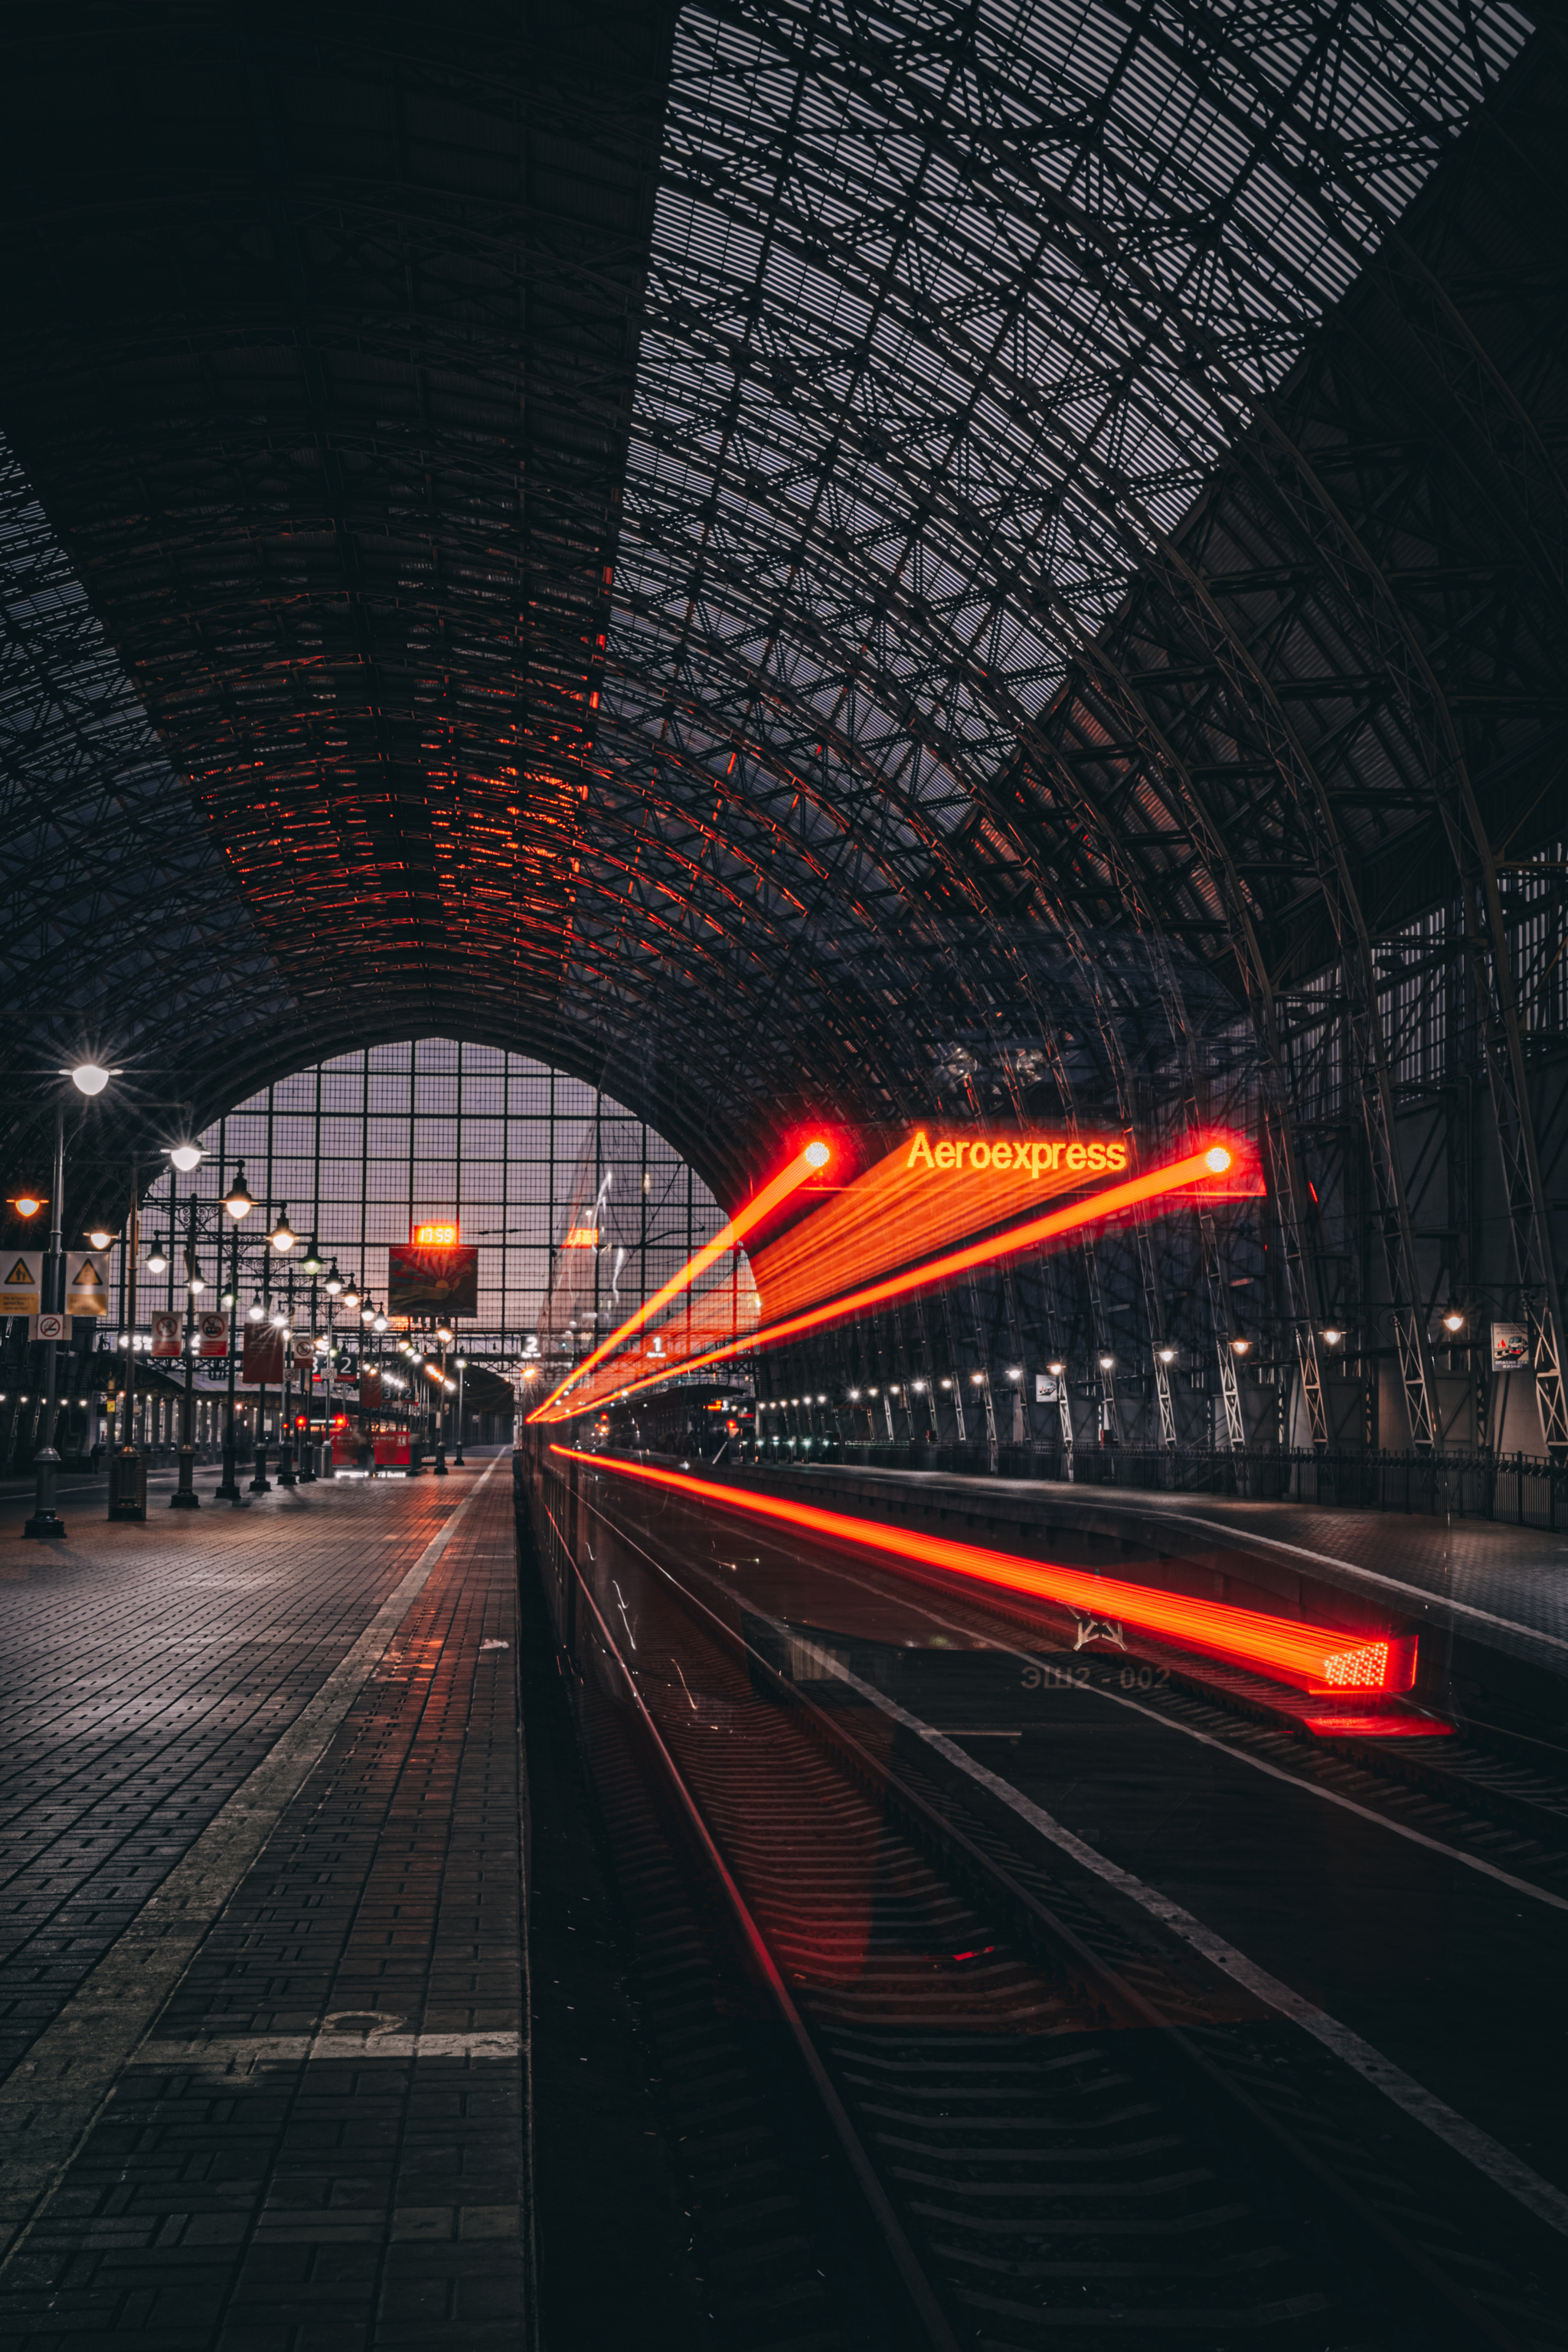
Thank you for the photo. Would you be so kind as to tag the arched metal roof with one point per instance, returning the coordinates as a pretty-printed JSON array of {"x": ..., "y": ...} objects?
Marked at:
[{"x": 737, "y": 555}]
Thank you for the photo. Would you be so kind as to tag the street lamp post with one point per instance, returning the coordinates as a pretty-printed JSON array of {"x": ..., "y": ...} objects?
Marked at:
[
  {"x": 185, "y": 1496},
  {"x": 228, "y": 1486},
  {"x": 444, "y": 1337},
  {"x": 457, "y": 1455},
  {"x": 46, "y": 1520},
  {"x": 127, "y": 1490},
  {"x": 286, "y": 1450},
  {"x": 238, "y": 1204},
  {"x": 260, "y": 1484},
  {"x": 307, "y": 1473}
]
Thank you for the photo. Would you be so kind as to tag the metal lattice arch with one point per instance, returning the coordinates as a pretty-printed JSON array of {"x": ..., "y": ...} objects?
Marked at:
[{"x": 1005, "y": 557}]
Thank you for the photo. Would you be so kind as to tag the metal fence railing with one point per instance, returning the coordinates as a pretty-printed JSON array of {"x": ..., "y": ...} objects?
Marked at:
[{"x": 1520, "y": 1489}]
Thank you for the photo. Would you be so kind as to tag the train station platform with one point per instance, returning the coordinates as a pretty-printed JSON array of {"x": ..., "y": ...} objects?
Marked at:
[
  {"x": 262, "y": 2039},
  {"x": 1503, "y": 1587}
]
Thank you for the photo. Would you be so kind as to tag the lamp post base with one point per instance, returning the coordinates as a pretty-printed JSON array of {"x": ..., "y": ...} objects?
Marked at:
[
  {"x": 261, "y": 1483},
  {"x": 441, "y": 1469},
  {"x": 46, "y": 1520},
  {"x": 127, "y": 1484},
  {"x": 185, "y": 1496},
  {"x": 227, "y": 1488}
]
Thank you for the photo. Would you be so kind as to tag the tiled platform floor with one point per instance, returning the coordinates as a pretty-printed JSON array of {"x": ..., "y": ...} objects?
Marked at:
[{"x": 226, "y": 1755}]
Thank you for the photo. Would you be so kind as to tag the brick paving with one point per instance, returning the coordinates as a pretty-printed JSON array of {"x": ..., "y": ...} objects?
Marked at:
[{"x": 322, "y": 2140}]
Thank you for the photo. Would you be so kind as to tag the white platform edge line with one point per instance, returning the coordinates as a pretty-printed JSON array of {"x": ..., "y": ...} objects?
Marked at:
[{"x": 335, "y": 2049}]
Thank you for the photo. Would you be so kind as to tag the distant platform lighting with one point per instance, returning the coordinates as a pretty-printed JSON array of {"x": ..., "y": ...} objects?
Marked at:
[
  {"x": 282, "y": 1237},
  {"x": 1241, "y": 1347},
  {"x": 158, "y": 1256},
  {"x": 1167, "y": 1355},
  {"x": 28, "y": 1204},
  {"x": 99, "y": 1236},
  {"x": 91, "y": 1078},
  {"x": 238, "y": 1200},
  {"x": 1453, "y": 1320},
  {"x": 1333, "y": 1338},
  {"x": 1107, "y": 1363},
  {"x": 186, "y": 1156}
]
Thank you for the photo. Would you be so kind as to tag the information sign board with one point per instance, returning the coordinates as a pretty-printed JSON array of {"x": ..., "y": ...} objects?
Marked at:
[
  {"x": 87, "y": 1283},
  {"x": 262, "y": 1357},
  {"x": 432, "y": 1282},
  {"x": 21, "y": 1280}
]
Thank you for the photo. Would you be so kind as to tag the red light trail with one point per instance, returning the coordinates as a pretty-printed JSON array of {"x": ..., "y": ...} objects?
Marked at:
[
  {"x": 730, "y": 1236},
  {"x": 1212, "y": 1161},
  {"x": 1308, "y": 1657}
]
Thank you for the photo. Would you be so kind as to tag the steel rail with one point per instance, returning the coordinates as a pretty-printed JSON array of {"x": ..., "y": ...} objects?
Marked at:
[
  {"x": 912, "y": 2278},
  {"x": 1039, "y": 1917}
]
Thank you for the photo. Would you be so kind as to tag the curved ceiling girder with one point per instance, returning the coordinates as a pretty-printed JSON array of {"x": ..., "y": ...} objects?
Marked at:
[{"x": 945, "y": 594}]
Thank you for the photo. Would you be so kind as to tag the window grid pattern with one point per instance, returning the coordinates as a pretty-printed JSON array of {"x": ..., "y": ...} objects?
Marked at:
[{"x": 361, "y": 1147}]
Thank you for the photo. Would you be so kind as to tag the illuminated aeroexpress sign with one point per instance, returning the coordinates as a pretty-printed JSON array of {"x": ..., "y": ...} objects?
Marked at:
[
  {"x": 1024, "y": 1155},
  {"x": 929, "y": 1211}
]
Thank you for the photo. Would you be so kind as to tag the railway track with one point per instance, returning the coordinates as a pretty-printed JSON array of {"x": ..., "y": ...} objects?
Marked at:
[{"x": 1062, "y": 2131}]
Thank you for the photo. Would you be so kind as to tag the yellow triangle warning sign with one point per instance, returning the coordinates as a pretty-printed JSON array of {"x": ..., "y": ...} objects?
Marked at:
[
  {"x": 88, "y": 1277},
  {"x": 21, "y": 1274}
]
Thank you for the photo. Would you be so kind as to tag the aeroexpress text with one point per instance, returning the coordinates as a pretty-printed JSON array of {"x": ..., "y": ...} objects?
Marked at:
[{"x": 1045, "y": 1154}]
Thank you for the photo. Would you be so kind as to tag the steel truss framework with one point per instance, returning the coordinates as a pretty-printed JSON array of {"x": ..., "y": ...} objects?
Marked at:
[{"x": 983, "y": 556}]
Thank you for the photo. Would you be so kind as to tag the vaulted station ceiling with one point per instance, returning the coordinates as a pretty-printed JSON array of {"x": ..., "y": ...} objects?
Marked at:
[{"x": 778, "y": 556}]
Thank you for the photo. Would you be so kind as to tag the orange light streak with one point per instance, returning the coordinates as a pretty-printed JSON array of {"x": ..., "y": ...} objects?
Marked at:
[
  {"x": 1212, "y": 1161},
  {"x": 1308, "y": 1657},
  {"x": 729, "y": 1236}
]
